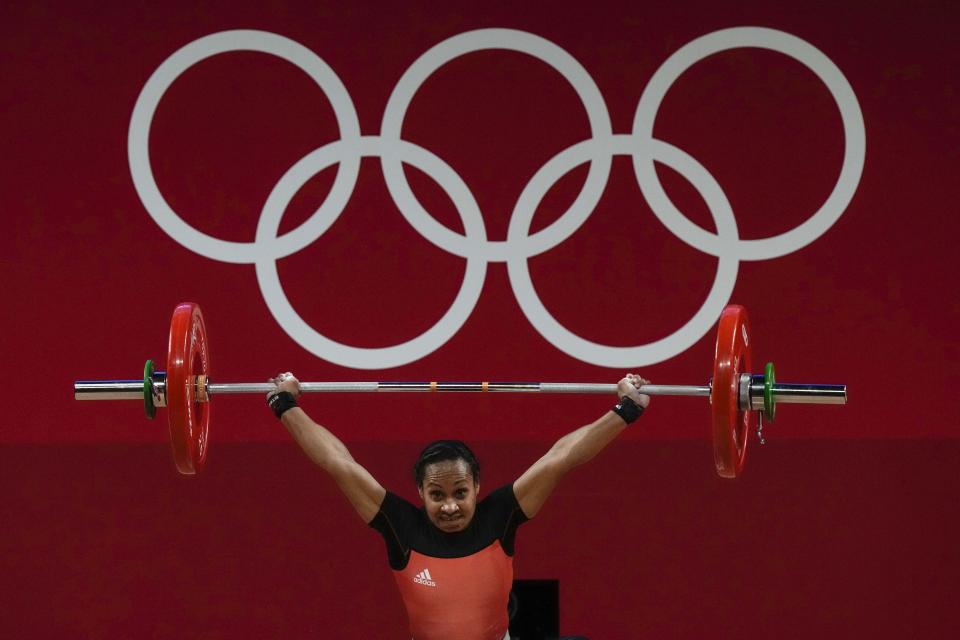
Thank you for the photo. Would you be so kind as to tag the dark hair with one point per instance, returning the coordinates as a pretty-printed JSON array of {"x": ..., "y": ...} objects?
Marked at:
[{"x": 443, "y": 450}]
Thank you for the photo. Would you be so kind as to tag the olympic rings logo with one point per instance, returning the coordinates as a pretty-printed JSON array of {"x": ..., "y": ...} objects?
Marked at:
[{"x": 473, "y": 245}]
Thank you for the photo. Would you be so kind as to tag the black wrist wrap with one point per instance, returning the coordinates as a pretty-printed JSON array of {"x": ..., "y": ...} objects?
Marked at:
[
  {"x": 281, "y": 402},
  {"x": 628, "y": 409}
]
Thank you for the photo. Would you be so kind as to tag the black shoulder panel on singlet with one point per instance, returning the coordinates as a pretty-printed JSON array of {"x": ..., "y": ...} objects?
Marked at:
[{"x": 405, "y": 527}]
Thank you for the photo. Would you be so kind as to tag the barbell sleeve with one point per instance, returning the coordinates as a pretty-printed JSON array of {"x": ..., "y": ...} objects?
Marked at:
[{"x": 108, "y": 390}]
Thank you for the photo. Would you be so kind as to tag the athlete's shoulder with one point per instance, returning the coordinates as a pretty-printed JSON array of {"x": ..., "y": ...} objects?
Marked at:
[
  {"x": 502, "y": 497},
  {"x": 500, "y": 506},
  {"x": 396, "y": 506},
  {"x": 396, "y": 514},
  {"x": 500, "y": 515},
  {"x": 399, "y": 521}
]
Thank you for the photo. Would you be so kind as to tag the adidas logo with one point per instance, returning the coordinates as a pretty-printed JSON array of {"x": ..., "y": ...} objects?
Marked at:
[{"x": 425, "y": 578}]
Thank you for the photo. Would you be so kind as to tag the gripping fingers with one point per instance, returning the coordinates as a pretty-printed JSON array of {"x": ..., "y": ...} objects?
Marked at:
[{"x": 634, "y": 382}]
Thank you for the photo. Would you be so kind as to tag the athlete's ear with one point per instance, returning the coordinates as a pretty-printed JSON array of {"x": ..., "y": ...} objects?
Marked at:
[{"x": 420, "y": 491}]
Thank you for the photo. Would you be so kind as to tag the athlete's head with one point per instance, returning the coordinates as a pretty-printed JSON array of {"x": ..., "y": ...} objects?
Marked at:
[{"x": 448, "y": 478}]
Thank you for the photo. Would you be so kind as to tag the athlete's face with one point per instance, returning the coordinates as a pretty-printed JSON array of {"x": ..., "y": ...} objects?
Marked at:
[{"x": 449, "y": 494}]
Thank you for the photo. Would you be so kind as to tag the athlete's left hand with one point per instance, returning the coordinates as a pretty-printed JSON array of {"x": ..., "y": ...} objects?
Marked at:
[{"x": 630, "y": 385}]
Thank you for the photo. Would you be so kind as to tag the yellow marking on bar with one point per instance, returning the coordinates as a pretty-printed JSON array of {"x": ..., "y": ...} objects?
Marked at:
[
  {"x": 484, "y": 386},
  {"x": 433, "y": 386},
  {"x": 200, "y": 391}
]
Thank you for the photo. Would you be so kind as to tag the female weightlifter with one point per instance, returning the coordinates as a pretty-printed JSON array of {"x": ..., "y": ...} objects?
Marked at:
[{"x": 452, "y": 557}]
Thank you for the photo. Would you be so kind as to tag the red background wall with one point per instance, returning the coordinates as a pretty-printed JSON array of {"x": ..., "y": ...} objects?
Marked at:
[{"x": 844, "y": 524}]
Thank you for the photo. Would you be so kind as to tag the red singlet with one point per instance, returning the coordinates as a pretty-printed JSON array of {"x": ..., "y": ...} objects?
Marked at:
[{"x": 455, "y": 586}]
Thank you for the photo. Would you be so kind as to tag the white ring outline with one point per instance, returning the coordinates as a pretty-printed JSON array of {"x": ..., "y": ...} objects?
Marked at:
[
  {"x": 375, "y": 357},
  {"x": 853, "y": 128},
  {"x": 509, "y": 40},
  {"x": 138, "y": 149},
  {"x": 653, "y": 352}
]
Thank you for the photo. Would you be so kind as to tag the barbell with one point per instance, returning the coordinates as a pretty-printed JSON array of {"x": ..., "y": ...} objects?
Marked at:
[{"x": 740, "y": 401}]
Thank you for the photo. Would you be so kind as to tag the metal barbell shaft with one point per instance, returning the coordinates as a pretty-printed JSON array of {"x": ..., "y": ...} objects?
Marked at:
[
  {"x": 457, "y": 387},
  {"x": 133, "y": 389}
]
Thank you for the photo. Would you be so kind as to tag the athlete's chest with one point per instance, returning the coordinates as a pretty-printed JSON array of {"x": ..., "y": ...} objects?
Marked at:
[{"x": 480, "y": 579}]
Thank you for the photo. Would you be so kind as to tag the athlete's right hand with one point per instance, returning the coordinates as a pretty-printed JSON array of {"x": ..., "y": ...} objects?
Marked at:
[
  {"x": 629, "y": 386},
  {"x": 286, "y": 382}
]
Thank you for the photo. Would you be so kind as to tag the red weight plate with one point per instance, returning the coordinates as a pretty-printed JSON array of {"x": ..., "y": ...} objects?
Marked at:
[
  {"x": 731, "y": 425},
  {"x": 189, "y": 418}
]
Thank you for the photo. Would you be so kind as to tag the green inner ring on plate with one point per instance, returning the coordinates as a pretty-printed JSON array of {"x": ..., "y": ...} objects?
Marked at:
[
  {"x": 148, "y": 405},
  {"x": 769, "y": 402}
]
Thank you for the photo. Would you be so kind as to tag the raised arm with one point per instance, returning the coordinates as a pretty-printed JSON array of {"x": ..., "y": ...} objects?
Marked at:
[
  {"x": 537, "y": 483},
  {"x": 326, "y": 450}
]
